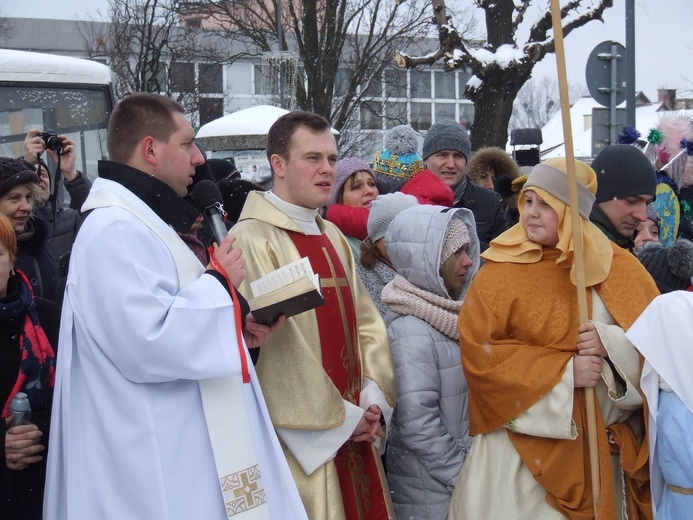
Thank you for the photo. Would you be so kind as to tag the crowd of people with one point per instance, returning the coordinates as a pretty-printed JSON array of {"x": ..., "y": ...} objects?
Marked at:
[{"x": 443, "y": 376}]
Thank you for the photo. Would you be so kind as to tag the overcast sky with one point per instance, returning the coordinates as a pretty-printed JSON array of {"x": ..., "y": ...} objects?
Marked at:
[{"x": 664, "y": 46}]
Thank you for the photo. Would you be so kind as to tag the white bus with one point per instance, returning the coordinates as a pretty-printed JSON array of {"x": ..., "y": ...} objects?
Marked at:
[{"x": 55, "y": 93}]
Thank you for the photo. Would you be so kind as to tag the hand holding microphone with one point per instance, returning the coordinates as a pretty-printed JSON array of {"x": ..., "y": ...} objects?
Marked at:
[{"x": 208, "y": 199}]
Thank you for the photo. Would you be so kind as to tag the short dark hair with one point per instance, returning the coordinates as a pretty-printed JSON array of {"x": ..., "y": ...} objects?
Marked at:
[
  {"x": 137, "y": 116},
  {"x": 280, "y": 133}
]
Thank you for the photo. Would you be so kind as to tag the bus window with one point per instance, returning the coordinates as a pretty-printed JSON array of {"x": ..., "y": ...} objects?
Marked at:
[{"x": 66, "y": 95}]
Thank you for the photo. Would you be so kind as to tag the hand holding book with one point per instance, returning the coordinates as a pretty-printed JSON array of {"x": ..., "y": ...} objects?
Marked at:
[{"x": 288, "y": 291}]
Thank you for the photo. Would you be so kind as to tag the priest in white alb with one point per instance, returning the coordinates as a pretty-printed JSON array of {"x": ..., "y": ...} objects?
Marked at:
[{"x": 158, "y": 413}]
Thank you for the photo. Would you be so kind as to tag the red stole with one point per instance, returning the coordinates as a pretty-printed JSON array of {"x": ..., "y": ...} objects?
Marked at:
[{"x": 358, "y": 465}]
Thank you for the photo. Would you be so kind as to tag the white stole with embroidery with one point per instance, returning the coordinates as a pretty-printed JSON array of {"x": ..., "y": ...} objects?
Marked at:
[{"x": 222, "y": 397}]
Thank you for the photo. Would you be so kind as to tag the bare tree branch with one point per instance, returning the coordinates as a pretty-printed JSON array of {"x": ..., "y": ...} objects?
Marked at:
[
  {"x": 328, "y": 36},
  {"x": 143, "y": 42},
  {"x": 6, "y": 27},
  {"x": 500, "y": 65}
]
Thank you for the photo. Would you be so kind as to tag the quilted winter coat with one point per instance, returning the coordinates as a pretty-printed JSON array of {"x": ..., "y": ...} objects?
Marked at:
[{"x": 429, "y": 434}]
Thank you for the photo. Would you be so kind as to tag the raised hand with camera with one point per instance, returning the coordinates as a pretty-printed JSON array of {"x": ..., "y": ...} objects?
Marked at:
[
  {"x": 37, "y": 142},
  {"x": 62, "y": 222}
]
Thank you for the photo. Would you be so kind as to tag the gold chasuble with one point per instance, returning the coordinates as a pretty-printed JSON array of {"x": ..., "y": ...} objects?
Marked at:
[
  {"x": 362, "y": 493},
  {"x": 319, "y": 359}
]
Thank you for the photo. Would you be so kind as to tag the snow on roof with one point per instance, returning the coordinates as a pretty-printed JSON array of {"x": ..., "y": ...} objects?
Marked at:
[
  {"x": 250, "y": 121},
  {"x": 36, "y": 67},
  {"x": 646, "y": 118}
]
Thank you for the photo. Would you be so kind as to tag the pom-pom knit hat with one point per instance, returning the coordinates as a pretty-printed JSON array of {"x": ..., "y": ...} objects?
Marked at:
[
  {"x": 671, "y": 267},
  {"x": 399, "y": 161}
]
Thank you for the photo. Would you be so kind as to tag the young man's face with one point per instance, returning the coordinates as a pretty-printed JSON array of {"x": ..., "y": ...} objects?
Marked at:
[
  {"x": 448, "y": 165},
  {"x": 177, "y": 158},
  {"x": 627, "y": 213},
  {"x": 306, "y": 178}
]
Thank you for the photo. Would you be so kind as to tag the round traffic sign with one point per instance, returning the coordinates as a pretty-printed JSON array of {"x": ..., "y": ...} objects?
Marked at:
[{"x": 598, "y": 72}]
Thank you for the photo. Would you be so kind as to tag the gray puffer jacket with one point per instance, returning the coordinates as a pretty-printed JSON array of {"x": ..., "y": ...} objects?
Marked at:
[{"x": 429, "y": 434}]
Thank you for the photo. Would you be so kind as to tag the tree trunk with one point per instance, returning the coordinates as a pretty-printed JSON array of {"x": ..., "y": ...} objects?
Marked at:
[{"x": 493, "y": 106}]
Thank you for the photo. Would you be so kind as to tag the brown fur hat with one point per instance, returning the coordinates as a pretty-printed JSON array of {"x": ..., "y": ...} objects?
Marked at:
[{"x": 494, "y": 158}]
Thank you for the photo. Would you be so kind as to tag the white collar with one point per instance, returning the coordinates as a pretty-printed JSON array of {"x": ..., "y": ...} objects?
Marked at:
[{"x": 303, "y": 217}]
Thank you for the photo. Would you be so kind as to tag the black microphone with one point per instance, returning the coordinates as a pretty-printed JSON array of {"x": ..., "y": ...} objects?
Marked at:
[{"x": 208, "y": 200}]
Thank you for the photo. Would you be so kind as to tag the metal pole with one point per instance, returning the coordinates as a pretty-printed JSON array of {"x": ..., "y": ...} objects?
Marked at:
[
  {"x": 280, "y": 40},
  {"x": 612, "y": 105},
  {"x": 630, "y": 63}
]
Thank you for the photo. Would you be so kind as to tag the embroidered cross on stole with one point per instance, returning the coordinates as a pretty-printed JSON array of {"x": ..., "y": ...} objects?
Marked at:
[{"x": 358, "y": 465}]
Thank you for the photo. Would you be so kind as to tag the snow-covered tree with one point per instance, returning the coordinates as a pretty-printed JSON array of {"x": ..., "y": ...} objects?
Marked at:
[{"x": 503, "y": 63}]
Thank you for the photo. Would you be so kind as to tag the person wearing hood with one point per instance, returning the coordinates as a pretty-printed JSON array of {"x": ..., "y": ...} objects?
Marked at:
[
  {"x": 435, "y": 252},
  {"x": 626, "y": 184},
  {"x": 18, "y": 189},
  {"x": 662, "y": 335},
  {"x": 527, "y": 358}
]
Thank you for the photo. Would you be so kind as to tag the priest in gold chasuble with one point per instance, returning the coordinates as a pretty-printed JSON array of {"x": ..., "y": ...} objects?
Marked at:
[{"x": 327, "y": 375}]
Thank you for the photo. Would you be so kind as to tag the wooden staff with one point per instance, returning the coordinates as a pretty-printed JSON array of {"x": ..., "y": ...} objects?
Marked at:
[{"x": 577, "y": 237}]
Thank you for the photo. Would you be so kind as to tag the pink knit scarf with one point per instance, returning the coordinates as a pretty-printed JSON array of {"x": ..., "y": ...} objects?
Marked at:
[{"x": 403, "y": 297}]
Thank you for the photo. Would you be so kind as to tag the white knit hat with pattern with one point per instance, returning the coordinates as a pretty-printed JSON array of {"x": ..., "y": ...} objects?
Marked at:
[
  {"x": 383, "y": 209},
  {"x": 456, "y": 236}
]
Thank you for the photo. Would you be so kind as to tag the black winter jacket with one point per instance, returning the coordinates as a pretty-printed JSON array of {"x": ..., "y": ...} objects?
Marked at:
[
  {"x": 63, "y": 231},
  {"x": 487, "y": 207},
  {"x": 36, "y": 262}
]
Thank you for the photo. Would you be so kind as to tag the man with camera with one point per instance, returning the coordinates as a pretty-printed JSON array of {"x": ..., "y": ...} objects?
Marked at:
[{"x": 63, "y": 222}]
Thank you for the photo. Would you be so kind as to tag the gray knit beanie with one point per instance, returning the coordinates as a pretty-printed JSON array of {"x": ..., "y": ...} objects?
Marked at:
[
  {"x": 623, "y": 171},
  {"x": 447, "y": 135},
  {"x": 14, "y": 172},
  {"x": 671, "y": 267},
  {"x": 383, "y": 210},
  {"x": 456, "y": 236},
  {"x": 346, "y": 168}
]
